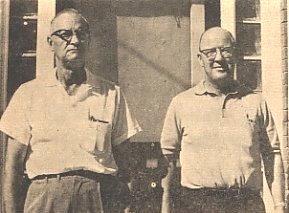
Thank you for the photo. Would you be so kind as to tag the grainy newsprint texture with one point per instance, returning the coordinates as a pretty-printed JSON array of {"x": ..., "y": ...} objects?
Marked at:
[{"x": 149, "y": 48}]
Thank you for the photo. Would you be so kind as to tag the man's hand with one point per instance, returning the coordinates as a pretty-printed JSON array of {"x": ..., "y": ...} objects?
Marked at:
[
  {"x": 167, "y": 182},
  {"x": 279, "y": 208},
  {"x": 13, "y": 175}
]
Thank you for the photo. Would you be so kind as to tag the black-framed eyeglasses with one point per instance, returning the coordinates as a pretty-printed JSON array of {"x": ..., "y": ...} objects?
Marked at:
[
  {"x": 66, "y": 35},
  {"x": 226, "y": 52}
]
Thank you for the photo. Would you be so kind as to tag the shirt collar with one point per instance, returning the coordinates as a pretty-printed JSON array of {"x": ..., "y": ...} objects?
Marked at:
[
  {"x": 50, "y": 80},
  {"x": 203, "y": 88}
]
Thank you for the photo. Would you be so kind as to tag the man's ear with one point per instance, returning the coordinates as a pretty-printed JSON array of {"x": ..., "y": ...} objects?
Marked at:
[
  {"x": 200, "y": 59},
  {"x": 49, "y": 41}
]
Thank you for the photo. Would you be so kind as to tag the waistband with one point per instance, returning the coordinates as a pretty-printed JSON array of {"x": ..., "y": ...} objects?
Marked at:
[
  {"x": 222, "y": 191},
  {"x": 81, "y": 173}
]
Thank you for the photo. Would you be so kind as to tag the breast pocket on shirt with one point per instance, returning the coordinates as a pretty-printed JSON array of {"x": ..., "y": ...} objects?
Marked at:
[
  {"x": 250, "y": 122},
  {"x": 99, "y": 140},
  {"x": 249, "y": 127},
  {"x": 250, "y": 119}
]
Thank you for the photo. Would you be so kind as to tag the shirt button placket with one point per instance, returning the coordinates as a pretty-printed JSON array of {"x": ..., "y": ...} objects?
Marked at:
[{"x": 224, "y": 108}]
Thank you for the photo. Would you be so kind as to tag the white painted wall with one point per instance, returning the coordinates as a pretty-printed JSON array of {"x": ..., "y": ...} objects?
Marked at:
[
  {"x": 44, "y": 56},
  {"x": 197, "y": 15}
]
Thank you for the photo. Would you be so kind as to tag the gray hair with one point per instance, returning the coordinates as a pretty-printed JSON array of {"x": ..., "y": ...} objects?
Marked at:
[{"x": 70, "y": 11}]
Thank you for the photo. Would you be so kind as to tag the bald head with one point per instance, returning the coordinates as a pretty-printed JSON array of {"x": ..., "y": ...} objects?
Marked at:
[{"x": 216, "y": 36}]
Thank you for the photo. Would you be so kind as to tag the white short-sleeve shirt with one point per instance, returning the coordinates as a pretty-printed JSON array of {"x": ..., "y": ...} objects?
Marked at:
[{"x": 64, "y": 135}]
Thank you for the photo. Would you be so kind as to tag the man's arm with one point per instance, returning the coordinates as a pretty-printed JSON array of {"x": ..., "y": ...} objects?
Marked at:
[
  {"x": 13, "y": 175},
  {"x": 167, "y": 183},
  {"x": 274, "y": 172},
  {"x": 271, "y": 153},
  {"x": 170, "y": 144},
  {"x": 123, "y": 157}
]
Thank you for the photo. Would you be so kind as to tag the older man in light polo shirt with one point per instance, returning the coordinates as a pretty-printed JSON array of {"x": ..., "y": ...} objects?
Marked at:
[
  {"x": 221, "y": 130},
  {"x": 67, "y": 130}
]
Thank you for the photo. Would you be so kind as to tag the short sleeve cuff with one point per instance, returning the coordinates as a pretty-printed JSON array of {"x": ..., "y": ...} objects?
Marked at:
[
  {"x": 21, "y": 137},
  {"x": 168, "y": 151},
  {"x": 127, "y": 135}
]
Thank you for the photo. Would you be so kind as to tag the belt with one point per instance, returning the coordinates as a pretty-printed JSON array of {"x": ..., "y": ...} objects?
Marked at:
[
  {"x": 234, "y": 192},
  {"x": 81, "y": 173}
]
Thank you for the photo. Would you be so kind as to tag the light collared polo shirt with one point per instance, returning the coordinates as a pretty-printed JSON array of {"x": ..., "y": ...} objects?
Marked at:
[
  {"x": 220, "y": 138},
  {"x": 64, "y": 135}
]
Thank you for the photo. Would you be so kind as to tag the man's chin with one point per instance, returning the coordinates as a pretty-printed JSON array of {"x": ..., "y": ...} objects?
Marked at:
[
  {"x": 74, "y": 64},
  {"x": 223, "y": 78},
  {"x": 224, "y": 81}
]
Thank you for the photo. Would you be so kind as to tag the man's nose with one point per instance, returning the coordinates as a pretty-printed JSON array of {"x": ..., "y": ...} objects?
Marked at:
[
  {"x": 219, "y": 56},
  {"x": 74, "y": 39}
]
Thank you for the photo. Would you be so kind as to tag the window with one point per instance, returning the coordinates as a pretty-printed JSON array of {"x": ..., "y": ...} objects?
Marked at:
[
  {"x": 22, "y": 43},
  {"x": 248, "y": 31}
]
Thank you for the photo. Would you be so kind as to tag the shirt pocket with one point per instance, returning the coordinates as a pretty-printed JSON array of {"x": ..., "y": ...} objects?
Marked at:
[
  {"x": 249, "y": 128},
  {"x": 251, "y": 120},
  {"x": 99, "y": 140}
]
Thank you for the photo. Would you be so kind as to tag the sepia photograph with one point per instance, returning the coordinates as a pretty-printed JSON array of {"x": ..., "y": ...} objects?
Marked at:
[{"x": 144, "y": 106}]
